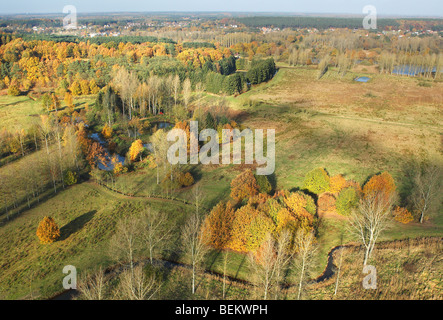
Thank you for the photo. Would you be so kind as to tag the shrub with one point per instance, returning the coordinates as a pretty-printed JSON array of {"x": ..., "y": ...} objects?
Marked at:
[
  {"x": 263, "y": 184},
  {"x": 48, "y": 231},
  {"x": 346, "y": 200},
  {"x": 317, "y": 181},
  {"x": 70, "y": 178},
  {"x": 185, "y": 179},
  {"x": 403, "y": 215},
  {"x": 13, "y": 90}
]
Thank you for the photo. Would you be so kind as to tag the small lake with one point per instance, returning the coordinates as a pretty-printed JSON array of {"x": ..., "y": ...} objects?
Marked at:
[
  {"x": 164, "y": 125},
  {"x": 103, "y": 143},
  {"x": 408, "y": 70},
  {"x": 362, "y": 79}
]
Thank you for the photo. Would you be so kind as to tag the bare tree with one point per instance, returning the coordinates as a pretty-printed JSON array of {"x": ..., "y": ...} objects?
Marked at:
[
  {"x": 306, "y": 250},
  {"x": 371, "y": 219},
  {"x": 427, "y": 188},
  {"x": 194, "y": 244},
  {"x": 126, "y": 240},
  {"x": 92, "y": 286},
  {"x": 187, "y": 91},
  {"x": 198, "y": 195},
  {"x": 269, "y": 263},
  {"x": 176, "y": 87},
  {"x": 160, "y": 147},
  {"x": 137, "y": 285},
  {"x": 154, "y": 231}
]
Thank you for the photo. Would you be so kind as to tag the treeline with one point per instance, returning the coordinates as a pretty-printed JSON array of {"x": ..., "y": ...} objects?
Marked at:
[
  {"x": 195, "y": 45},
  {"x": 312, "y": 22}
]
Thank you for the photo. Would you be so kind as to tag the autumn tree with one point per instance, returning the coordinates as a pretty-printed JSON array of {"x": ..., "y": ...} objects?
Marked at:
[
  {"x": 316, "y": 181},
  {"x": 48, "y": 231},
  {"x": 244, "y": 186},
  {"x": 402, "y": 215},
  {"x": 136, "y": 150},
  {"x": 107, "y": 131},
  {"x": 218, "y": 225}
]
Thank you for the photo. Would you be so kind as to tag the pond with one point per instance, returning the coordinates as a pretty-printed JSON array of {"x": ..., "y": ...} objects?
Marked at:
[
  {"x": 408, "y": 70},
  {"x": 109, "y": 166},
  {"x": 164, "y": 125},
  {"x": 362, "y": 79}
]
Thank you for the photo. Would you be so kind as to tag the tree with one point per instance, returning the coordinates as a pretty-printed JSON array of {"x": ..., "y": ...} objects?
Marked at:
[
  {"x": 68, "y": 100},
  {"x": 427, "y": 188},
  {"x": 155, "y": 231},
  {"x": 107, "y": 131},
  {"x": 160, "y": 147},
  {"x": 13, "y": 90},
  {"x": 218, "y": 225},
  {"x": 263, "y": 184},
  {"x": 187, "y": 91},
  {"x": 347, "y": 200},
  {"x": 75, "y": 89},
  {"x": 126, "y": 241},
  {"x": 137, "y": 285},
  {"x": 244, "y": 186},
  {"x": 316, "y": 181},
  {"x": 48, "y": 231},
  {"x": 136, "y": 150},
  {"x": 70, "y": 178},
  {"x": 194, "y": 243},
  {"x": 402, "y": 215},
  {"x": 92, "y": 286},
  {"x": 370, "y": 219},
  {"x": 269, "y": 263},
  {"x": 306, "y": 249}
]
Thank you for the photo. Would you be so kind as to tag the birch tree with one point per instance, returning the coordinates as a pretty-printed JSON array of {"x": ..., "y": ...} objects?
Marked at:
[
  {"x": 194, "y": 245},
  {"x": 427, "y": 188},
  {"x": 306, "y": 249},
  {"x": 371, "y": 219},
  {"x": 155, "y": 231}
]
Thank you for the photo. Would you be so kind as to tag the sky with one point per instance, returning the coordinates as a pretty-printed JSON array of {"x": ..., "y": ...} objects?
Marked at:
[{"x": 384, "y": 7}]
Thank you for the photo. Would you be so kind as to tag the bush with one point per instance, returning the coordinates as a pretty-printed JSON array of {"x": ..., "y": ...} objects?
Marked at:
[
  {"x": 13, "y": 90},
  {"x": 48, "y": 231},
  {"x": 317, "y": 181},
  {"x": 346, "y": 200},
  {"x": 70, "y": 178},
  {"x": 403, "y": 215},
  {"x": 263, "y": 184}
]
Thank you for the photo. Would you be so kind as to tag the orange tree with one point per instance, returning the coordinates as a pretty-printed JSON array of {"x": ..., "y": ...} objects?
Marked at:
[
  {"x": 244, "y": 186},
  {"x": 48, "y": 231}
]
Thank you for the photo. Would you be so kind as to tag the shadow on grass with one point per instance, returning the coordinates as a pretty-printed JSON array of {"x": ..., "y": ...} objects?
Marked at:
[{"x": 76, "y": 225}]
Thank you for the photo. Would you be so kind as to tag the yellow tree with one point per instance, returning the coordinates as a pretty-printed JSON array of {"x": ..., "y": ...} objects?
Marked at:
[{"x": 136, "y": 150}]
